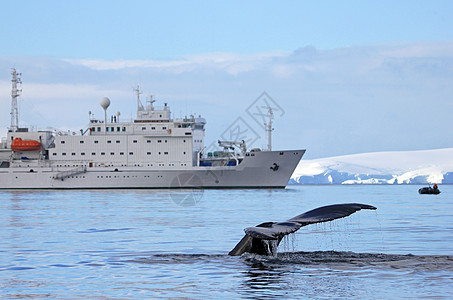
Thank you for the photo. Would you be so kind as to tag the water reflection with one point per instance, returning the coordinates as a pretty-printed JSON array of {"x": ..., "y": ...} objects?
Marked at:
[
  {"x": 310, "y": 274},
  {"x": 122, "y": 243},
  {"x": 261, "y": 276}
]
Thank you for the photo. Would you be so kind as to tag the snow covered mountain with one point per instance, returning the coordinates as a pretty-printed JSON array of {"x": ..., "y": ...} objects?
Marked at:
[{"x": 395, "y": 167}]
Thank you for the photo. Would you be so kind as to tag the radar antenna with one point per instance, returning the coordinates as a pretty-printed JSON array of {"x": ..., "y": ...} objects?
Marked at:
[
  {"x": 15, "y": 92},
  {"x": 150, "y": 101}
]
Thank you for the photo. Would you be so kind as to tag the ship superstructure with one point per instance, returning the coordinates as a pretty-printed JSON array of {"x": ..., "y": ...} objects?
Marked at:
[{"x": 152, "y": 151}]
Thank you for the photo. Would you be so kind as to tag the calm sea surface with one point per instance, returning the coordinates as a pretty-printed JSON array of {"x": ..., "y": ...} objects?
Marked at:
[{"x": 135, "y": 244}]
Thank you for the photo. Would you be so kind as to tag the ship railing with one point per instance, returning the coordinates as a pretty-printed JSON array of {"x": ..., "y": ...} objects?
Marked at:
[{"x": 225, "y": 159}]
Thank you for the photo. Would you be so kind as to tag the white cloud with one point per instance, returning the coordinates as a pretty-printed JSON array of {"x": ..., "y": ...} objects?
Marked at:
[
  {"x": 356, "y": 99},
  {"x": 229, "y": 62},
  {"x": 101, "y": 64},
  {"x": 65, "y": 91},
  {"x": 420, "y": 49}
]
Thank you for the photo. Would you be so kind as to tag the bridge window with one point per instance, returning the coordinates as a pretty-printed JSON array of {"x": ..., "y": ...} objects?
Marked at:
[
  {"x": 118, "y": 129},
  {"x": 62, "y": 142},
  {"x": 93, "y": 153},
  {"x": 102, "y": 153},
  {"x": 81, "y": 142},
  {"x": 148, "y": 153},
  {"x": 121, "y": 153},
  {"x": 83, "y": 153},
  {"x": 96, "y": 142},
  {"x": 131, "y": 153},
  {"x": 148, "y": 141},
  {"x": 134, "y": 141},
  {"x": 124, "y": 129},
  {"x": 109, "y": 142},
  {"x": 143, "y": 128}
]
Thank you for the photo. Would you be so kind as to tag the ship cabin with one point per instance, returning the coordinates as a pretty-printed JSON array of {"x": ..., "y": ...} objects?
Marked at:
[{"x": 153, "y": 139}]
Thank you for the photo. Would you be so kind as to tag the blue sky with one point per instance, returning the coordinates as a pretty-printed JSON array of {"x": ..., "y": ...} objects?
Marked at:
[
  {"x": 351, "y": 76},
  {"x": 170, "y": 29}
]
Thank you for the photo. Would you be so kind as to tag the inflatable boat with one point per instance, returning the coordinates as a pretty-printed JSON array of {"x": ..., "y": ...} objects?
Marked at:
[{"x": 429, "y": 190}]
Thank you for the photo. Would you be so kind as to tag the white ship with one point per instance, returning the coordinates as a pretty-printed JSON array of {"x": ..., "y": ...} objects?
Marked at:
[{"x": 152, "y": 151}]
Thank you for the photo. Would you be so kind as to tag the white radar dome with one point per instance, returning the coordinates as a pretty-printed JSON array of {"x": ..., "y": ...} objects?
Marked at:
[{"x": 105, "y": 102}]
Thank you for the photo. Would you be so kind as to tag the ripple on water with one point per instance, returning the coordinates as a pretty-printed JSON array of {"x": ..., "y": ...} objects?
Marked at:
[{"x": 141, "y": 244}]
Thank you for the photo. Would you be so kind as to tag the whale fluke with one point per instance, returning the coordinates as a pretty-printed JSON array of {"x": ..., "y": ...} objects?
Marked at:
[{"x": 264, "y": 238}]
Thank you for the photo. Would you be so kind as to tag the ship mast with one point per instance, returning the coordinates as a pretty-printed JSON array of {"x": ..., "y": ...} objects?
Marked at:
[
  {"x": 139, "y": 103},
  {"x": 15, "y": 92},
  {"x": 268, "y": 128}
]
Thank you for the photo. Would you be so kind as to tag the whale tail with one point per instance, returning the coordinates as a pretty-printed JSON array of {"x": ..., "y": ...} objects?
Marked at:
[{"x": 264, "y": 238}]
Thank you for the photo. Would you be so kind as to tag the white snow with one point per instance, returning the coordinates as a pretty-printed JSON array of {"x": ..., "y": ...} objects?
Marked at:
[{"x": 402, "y": 167}]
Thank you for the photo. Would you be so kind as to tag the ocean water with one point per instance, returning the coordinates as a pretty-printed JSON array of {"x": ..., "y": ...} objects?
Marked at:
[{"x": 147, "y": 244}]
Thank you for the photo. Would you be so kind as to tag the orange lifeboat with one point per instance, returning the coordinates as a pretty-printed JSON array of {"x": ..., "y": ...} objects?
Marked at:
[{"x": 25, "y": 145}]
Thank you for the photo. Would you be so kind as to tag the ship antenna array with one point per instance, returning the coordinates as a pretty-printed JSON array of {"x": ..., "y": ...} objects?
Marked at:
[
  {"x": 268, "y": 128},
  {"x": 15, "y": 92}
]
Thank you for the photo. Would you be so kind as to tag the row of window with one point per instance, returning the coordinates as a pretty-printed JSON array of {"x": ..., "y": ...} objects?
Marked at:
[
  {"x": 135, "y": 165},
  {"x": 111, "y": 153},
  {"x": 112, "y": 129},
  {"x": 120, "y": 129},
  {"x": 118, "y": 141}
]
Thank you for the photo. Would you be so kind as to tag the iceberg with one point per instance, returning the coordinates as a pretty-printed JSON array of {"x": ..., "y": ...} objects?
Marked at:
[{"x": 391, "y": 167}]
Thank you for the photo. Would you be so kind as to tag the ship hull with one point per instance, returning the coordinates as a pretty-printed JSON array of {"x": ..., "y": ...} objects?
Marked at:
[{"x": 266, "y": 169}]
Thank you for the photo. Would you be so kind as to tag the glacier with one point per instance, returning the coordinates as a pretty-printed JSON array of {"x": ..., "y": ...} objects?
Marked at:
[{"x": 390, "y": 167}]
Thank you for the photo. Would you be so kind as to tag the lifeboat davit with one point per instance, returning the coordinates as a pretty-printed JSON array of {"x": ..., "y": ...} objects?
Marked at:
[{"x": 25, "y": 145}]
